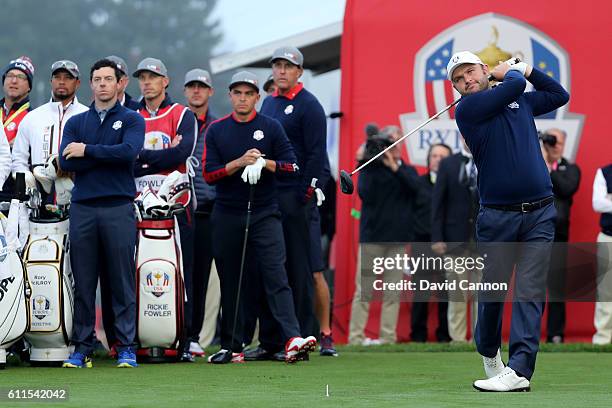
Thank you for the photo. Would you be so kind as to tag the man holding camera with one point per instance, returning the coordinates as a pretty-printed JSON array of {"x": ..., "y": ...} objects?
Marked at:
[
  {"x": 565, "y": 177},
  {"x": 386, "y": 217}
]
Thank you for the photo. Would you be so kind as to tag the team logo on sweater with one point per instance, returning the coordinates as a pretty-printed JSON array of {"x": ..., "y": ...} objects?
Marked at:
[
  {"x": 289, "y": 110},
  {"x": 493, "y": 37},
  {"x": 117, "y": 125},
  {"x": 258, "y": 135},
  {"x": 513, "y": 105}
]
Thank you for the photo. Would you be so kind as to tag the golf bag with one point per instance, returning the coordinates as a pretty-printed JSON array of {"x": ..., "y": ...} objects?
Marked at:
[
  {"x": 160, "y": 289},
  {"x": 47, "y": 263},
  {"x": 14, "y": 287}
]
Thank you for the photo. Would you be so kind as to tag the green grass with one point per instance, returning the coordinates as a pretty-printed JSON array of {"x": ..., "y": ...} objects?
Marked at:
[{"x": 386, "y": 376}]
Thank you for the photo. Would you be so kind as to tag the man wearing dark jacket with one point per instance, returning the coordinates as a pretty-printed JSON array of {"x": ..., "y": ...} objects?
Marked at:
[
  {"x": 422, "y": 187},
  {"x": 453, "y": 216},
  {"x": 386, "y": 217},
  {"x": 565, "y": 177}
]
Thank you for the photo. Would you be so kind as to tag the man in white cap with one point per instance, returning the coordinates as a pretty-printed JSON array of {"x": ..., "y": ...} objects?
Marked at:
[
  {"x": 198, "y": 90},
  {"x": 169, "y": 143},
  {"x": 516, "y": 200}
]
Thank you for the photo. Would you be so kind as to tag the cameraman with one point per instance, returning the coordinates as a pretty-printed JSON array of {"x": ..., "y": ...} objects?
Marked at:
[
  {"x": 386, "y": 217},
  {"x": 565, "y": 178}
]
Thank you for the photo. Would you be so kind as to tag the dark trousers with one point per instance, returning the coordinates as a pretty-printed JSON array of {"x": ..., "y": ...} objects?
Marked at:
[
  {"x": 557, "y": 276},
  {"x": 187, "y": 231},
  {"x": 296, "y": 232},
  {"x": 535, "y": 231},
  {"x": 107, "y": 233},
  {"x": 202, "y": 262},
  {"x": 265, "y": 243},
  {"x": 422, "y": 299}
]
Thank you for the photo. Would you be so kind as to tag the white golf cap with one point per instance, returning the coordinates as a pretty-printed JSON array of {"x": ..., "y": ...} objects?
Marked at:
[
  {"x": 460, "y": 58},
  {"x": 198, "y": 75}
]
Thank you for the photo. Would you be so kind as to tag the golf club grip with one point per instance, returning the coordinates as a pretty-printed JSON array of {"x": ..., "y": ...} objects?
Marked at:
[{"x": 511, "y": 61}]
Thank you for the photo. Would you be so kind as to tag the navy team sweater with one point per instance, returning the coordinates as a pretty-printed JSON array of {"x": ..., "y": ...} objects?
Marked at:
[
  {"x": 106, "y": 173},
  {"x": 305, "y": 124},
  {"x": 228, "y": 139},
  {"x": 498, "y": 127}
]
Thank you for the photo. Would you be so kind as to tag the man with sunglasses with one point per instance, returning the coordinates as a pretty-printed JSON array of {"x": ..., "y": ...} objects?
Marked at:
[{"x": 40, "y": 133}]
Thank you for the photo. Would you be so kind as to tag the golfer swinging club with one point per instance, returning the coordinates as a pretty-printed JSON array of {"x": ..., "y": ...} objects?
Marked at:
[
  {"x": 234, "y": 160},
  {"x": 516, "y": 202}
]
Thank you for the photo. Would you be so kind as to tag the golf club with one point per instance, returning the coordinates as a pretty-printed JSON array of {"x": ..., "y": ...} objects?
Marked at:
[
  {"x": 346, "y": 183},
  {"x": 242, "y": 259}
]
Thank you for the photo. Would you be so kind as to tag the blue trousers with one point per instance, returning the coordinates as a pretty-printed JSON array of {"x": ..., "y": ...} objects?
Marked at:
[
  {"x": 530, "y": 261},
  {"x": 103, "y": 233}
]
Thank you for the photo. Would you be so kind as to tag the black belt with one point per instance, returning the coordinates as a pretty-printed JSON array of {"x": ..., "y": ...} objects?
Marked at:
[{"x": 523, "y": 207}]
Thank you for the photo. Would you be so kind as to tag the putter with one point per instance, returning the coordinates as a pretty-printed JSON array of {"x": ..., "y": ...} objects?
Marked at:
[
  {"x": 242, "y": 259},
  {"x": 346, "y": 182}
]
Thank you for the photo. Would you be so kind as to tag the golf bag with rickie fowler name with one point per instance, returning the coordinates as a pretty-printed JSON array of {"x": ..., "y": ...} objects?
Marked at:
[{"x": 15, "y": 292}]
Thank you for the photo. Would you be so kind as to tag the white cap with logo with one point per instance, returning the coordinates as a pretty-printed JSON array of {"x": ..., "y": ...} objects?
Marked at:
[{"x": 460, "y": 58}]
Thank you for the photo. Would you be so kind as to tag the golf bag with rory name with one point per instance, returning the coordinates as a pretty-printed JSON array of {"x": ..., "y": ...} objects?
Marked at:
[{"x": 47, "y": 262}]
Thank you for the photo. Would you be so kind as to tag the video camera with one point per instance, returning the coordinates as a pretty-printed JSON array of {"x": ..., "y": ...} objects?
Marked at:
[
  {"x": 375, "y": 142},
  {"x": 547, "y": 139}
]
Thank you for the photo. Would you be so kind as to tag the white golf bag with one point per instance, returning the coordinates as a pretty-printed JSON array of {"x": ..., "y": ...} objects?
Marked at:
[
  {"x": 14, "y": 286},
  {"x": 47, "y": 263},
  {"x": 160, "y": 289}
]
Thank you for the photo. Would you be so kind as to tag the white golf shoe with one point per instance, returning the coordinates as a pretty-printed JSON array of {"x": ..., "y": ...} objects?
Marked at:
[
  {"x": 506, "y": 381},
  {"x": 493, "y": 365},
  {"x": 297, "y": 348}
]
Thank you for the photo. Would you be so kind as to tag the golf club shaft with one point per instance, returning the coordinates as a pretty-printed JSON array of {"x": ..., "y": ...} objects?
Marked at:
[
  {"x": 243, "y": 258},
  {"x": 405, "y": 136}
]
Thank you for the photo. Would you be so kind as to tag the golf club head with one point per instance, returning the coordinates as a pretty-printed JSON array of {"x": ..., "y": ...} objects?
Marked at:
[{"x": 346, "y": 183}]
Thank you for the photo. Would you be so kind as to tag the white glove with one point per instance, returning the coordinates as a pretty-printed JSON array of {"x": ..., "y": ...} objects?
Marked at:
[
  {"x": 320, "y": 196},
  {"x": 63, "y": 190},
  {"x": 520, "y": 67},
  {"x": 252, "y": 173}
]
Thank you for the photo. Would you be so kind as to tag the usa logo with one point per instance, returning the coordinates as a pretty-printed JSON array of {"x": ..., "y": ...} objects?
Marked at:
[
  {"x": 289, "y": 110},
  {"x": 158, "y": 283},
  {"x": 117, "y": 125},
  {"x": 156, "y": 141},
  {"x": 258, "y": 135},
  {"x": 493, "y": 37}
]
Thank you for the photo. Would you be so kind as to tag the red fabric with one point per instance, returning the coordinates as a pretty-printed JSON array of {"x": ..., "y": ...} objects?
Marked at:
[
  {"x": 380, "y": 41},
  {"x": 292, "y": 92}
]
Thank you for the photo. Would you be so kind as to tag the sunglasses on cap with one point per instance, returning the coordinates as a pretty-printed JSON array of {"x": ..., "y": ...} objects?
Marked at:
[{"x": 67, "y": 65}]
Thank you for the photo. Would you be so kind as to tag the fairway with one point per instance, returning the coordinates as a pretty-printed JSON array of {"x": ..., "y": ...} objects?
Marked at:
[{"x": 358, "y": 378}]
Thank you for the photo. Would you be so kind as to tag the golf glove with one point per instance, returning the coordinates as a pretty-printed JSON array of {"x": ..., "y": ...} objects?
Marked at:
[
  {"x": 252, "y": 173},
  {"x": 520, "y": 67},
  {"x": 320, "y": 196}
]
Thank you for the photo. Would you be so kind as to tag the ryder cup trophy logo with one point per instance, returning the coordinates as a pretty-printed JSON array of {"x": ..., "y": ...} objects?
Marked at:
[{"x": 493, "y": 37}]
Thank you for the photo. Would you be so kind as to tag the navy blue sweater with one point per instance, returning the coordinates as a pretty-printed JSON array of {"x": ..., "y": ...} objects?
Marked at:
[
  {"x": 227, "y": 140},
  {"x": 205, "y": 193},
  {"x": 305, "y": 124},
  {"x": 106, "y": 170},
  {"x": 499, "y": 129}
]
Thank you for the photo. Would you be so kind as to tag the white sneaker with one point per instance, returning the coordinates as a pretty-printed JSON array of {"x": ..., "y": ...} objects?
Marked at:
[
  {"x": 506, "y": 381},
  {"x": 297, "y": 347},
  {"x": 493, "y": 365},
  {"x": 196, "y": 349}
]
